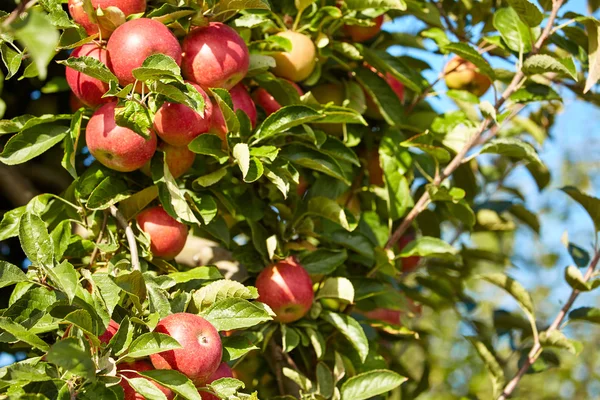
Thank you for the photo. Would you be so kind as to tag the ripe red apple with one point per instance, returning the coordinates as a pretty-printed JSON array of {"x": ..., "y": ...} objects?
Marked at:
[
  {"x": 286, "y": 287},
  {"x": 179, "y": 160},
  {"x": 114, "y": 146},
  {"x": 134, "y": 41},
  {"x": 222, "y": 372},
  {"x": 87, "y": 89},
  {"x": 177, "y": 124},
  {"x": 298, "y": 64},
  {"x": 140, "y": 366},
  {"x": 74, "y": 102},
  {"x": 387, "y": 315},
  {"x": 409, "y": 264},
  {"x": 110, "y": 331},
  {"x": 215, "y": 56},
  {"x": 267, "y": 101},
  {"x": 167, "y": 235},
  {"x": 201, "y": 350},
  {"x": 363, "y": 33},
  {"x": 79, "y": 15},
  {"x": 241, "y": 100},
  {"x": 464, "y": 75}
]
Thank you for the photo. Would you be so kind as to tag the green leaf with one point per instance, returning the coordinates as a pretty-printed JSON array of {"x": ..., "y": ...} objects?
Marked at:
[
  {"x": 579, "y": 255},
  {"x": 360, "y": 5},
  {"x": 512, "y": 147},
  {"x": 323, "y": 261},
  {"x": 284, "y": 119},
  {"x": 226, "y": 387},
  {"x": 385, "y": 99},
  {"x": 589, "y": 203},
  {"x": 90, "y": 66},
  {"x": 395, "y": 163},
  {"x": 151, "y": 343},
  {"x": 136, "y": 117},
  {"x": 534, "y": 92},
  {"x": 593, "y": 31},
  {"x": 312, "y": 159},
  {"x": 337, "y": 288},
  {"x": 351, "y": 330},
  {"x": 235, "y": 347},
  {"x": 588, "y": 314},
  {"x": 558, "y": 339},
  {"x": 65, "y": 277},
  {"x": 21, "y": 334},
  {"x": 216, "y": 291},
  {"x": 145, "y": 388},
  {"x": 527, "y": 11},
  {"x": 370, "y": 384},
  {"x": 135, "y": 203},
  {"x": 198, "y": 273},
  {"x": 109, "y": 192},
  {"x": 514, "y": 32},
  {"x": 212, "y": 178},
  {"x": 10, "y": 274},
  {"x": 68, "y": 354},
  {"x": 175, "y": 381},
  {"x": 203, "y": 205},
  {"x": 71, "y": 143},
  {"x": 331, "y": 210},
  {"x": 40, "y": 37},
  {"x": 225, "y": 104},
  {"x": 232, "y": 313},
  {"x": 575, "y": 279},
  {"x": 11, "y": 58},
  {"x": 428, "y": 246},
  {"x": 31, "y": 143},
  {"x": 543, "y": 63},
  {"x": 157, "y": 66},
  {"x": 491, "y": 363},
  {"x": 121, "y": 341},
  {"x": 470, "y": 54},
  {"x": 241, "y": 154},
  {"x": 231, "y": 5},
  {"x": 325, "y": 380},
  {"x": 209, "y": 145},
  {"x": 36, "y": 241},
  {"x": 290, "y": 339},
  {"x": 9, "y": 227}
]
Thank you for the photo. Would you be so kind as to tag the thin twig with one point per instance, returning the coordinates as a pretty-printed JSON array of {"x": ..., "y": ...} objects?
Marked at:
[
  {"x": 276, "y": 362},
  {"x": 16, "y": 13},
  {"x": 536, "y": 350},
  {"x": 99, "y": 239},
  {"x": 135, "y": 260},
  {"x": 423, "y": 202}
]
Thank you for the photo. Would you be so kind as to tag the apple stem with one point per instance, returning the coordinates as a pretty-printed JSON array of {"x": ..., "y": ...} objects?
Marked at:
[{"x": 135, "y": 260}]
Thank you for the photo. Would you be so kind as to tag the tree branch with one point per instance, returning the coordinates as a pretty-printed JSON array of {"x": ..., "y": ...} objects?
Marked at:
[
  {"x": 135, "y": 260},
  {"x": 423, "y": 202},
  {"x": 536, "y": 350},
  {"x": 16, "y": 13}
]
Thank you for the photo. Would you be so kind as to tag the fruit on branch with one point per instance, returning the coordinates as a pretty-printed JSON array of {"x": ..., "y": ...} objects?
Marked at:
[
  {"x": 167, "y": 235},
  {"x": 222, "y": 372},
  {"x": 201, "y": 350},
  {"x": 177, "y": 124},
  {"x": 87, "y": 89},
  {"x": 302, "y": 186},
  {"x": 114, "y": 146},
  {"x": 110, "y": 331},
  {"x": 266, "y": 100},
  {"x": 286, "y": 287},
  {"x": 330, "y": 93},
  {"x": 361, "y": 34},
  {"x": 372, "y": 110},
  {"x": 409, "y": 264},
  {"x": 136, "y": 40},
  {"x": 215, "y": 56},
  {"x": 79, "y": 15},
  {"x": 241, "y": 100},
  {"x": 127, "y": 369},
  {"x": 178, "y": 159},
  {"x": 297, "y": 64},
  {"x": 461, "y": 74},
  {"x": 392, "y": 317}
]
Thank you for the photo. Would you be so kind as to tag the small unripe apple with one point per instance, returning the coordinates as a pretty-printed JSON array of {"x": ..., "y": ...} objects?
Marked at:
[
  {"x": 167, "y": 235},
  {"x": 114, "y": 146},
  {"x": 268, "y": 102},
  {"x": 139, "y": 366},
  {"x": 241, "y": 100},
  {"x": 222, "y": 372},
  {"x": 330, "y": 93},
  {"x": 110, "y": 331},
  {"x": 201, "y": 350},
  {"x": 177, "y": 124},
  {"x": 411, "y": 263},
  {"x": 178, "y": 159},
  {"x": 286, "y": 287},
  {"x": 134, "y": 41},
  {"x": 215, "y": 56},
  {"x": 363, "y": 33},
  {"x": 79, "y": 15},
  {"x": 464, "y": 75},
  {"x": 299, "y": 63},
  {"x": 87, "y": 89}
]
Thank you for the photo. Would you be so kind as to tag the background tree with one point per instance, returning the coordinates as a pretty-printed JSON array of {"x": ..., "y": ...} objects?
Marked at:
[{"x": 361, "y": 201}]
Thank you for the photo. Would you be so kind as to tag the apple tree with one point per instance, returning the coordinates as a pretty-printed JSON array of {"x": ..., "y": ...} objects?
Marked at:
[{"x": 218, "y": 199}]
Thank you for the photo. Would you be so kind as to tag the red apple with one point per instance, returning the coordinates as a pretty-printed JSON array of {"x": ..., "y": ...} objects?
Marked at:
[
  {"x": 387, "y": 315},
  {"x": 409, "y": 264},
  {"x": 201, "y": 350},
  {"x": 302, "y": 186},
  {"x": 267, "y": 101},
  {"x": 87, "y": 89},
  {"x": 179, "y": 160},
  {"x": 136, "y": 40},
  {"x": 297, "y": 64},
  {"x": 286, "y": 287},
  {"x": 126, "y": 370},
  {"x": 167, "y": 235},
  {"x": 215, "y": 56},
  {"x": 114, "y": 146},
  {"x": 463, "y": 75},
  {"x": 74, "y": 102},
  {"x": 79, "y": 15},
  {"x": 177, "y": 124},
  {"x": 222, "y": 372},
  {"x": 241, "y": 101},
  {"x": 110, "y": 331},
  {"x": 363, "y": 33}
]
